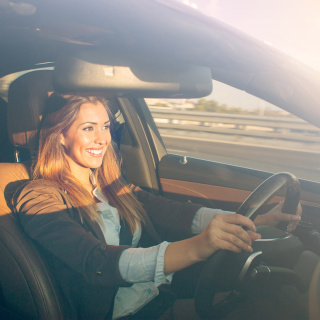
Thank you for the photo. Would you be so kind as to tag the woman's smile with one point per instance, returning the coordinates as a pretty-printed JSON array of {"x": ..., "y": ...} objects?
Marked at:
[{"x": 95, "y": 152}]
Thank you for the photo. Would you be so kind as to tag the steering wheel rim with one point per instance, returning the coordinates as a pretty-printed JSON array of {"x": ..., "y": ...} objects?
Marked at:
[
  {"x": 213, "y": 276},
  {"x": 266, "y": 190}
]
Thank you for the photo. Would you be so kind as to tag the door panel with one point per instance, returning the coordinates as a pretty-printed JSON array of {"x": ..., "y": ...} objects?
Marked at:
[
  {"x": 209, "y": 183},
  {"x": 223, "y": 186}
]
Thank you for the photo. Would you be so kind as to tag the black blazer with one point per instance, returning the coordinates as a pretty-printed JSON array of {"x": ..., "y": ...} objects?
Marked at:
[{"x": 83, "y": 264}]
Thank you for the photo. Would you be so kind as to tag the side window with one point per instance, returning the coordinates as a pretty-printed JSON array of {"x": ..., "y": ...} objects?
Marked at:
[{"x": 234, "y": 127}]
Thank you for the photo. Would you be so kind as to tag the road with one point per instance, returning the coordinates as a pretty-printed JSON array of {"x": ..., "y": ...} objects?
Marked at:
[{"x": 304, "y": 162}]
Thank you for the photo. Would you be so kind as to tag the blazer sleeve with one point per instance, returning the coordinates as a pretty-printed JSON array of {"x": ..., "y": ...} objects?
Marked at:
[
  {"x": 46, "y": 218},
  {"x": 171, "y": 219}
]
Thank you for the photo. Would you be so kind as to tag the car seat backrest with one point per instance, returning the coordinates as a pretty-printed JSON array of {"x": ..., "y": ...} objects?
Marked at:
[
  {"x": 26, "y": 100},
  {"x": 6, "y": 148},
  {"x": 26, "y": 286}
]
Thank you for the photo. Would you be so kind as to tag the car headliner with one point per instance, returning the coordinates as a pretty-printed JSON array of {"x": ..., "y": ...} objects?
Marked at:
[{"x": 38, "y": 31}]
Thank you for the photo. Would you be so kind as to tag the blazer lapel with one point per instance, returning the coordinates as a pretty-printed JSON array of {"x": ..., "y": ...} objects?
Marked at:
[{"x": 94, "y": 227}]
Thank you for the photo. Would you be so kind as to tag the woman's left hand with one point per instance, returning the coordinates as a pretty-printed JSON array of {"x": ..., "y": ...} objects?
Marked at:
[{"x": 275, "y": 216}]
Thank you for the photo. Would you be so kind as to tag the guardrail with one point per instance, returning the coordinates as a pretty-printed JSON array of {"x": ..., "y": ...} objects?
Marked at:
[{"x": 231, "y": 124}]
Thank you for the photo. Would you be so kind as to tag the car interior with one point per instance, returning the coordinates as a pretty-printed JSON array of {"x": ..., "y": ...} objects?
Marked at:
[
  {"x": 281, "y": 279},
  {"x": 28, "y": 291}
]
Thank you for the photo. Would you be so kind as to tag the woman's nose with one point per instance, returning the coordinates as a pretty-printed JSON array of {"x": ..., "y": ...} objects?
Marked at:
[{"x": 101, "y": 137}]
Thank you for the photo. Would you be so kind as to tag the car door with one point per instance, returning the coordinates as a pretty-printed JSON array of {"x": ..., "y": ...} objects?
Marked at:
[{"x": 211, "y": 164}]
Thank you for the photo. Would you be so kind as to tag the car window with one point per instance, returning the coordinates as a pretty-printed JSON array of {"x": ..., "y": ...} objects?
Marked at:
[{"x": 234, "y": 127}]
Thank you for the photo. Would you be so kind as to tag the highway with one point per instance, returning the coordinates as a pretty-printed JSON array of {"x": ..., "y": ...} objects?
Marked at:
[{"x": 303, "y": 160}]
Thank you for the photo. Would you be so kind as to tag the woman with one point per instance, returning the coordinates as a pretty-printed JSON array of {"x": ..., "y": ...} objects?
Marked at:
[{"x": 88, "y": 223}]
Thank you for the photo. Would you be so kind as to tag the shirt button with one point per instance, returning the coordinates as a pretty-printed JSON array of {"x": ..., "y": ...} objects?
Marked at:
[
  {"x": 103, "y": 247},
  {"x": 99, "y": 273},
  {"x": 117, "y": 228},
  {"x": 149, "y": 291}
]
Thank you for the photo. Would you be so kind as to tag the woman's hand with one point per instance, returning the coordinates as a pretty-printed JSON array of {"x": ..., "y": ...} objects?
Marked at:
[
  {"x": 223, "y": 232},
  {"x": 226, "y": 232},
  {"x": 275, "y": 216}
]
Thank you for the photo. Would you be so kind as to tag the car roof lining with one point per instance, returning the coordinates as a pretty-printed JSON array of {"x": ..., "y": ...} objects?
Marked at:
[{"x": 138, "y": 28}]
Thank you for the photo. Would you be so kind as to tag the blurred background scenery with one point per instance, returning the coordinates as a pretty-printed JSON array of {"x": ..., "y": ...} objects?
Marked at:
[{"x": 232, "y": 126}]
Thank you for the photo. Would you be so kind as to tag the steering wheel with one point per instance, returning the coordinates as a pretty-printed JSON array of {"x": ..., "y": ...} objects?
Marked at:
[{"x": 221, "y": 271}]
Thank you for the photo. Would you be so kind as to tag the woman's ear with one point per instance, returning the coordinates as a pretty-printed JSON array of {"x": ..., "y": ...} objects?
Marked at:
[{"x": 62, "y": 141}]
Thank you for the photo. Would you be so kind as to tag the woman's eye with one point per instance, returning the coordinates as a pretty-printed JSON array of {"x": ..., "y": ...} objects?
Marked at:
[
  {"x": 88, "y": 128},
  {"x": 106, "y": 127}
]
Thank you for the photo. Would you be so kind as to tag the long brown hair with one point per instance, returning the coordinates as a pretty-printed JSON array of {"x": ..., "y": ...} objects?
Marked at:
[{"x": 51, "y": 163}]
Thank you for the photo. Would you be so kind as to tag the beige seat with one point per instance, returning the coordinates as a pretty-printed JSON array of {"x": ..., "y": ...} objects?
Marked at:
[
  {"x": 27, "y": 289},
  {"x": 12, "y": 175}
]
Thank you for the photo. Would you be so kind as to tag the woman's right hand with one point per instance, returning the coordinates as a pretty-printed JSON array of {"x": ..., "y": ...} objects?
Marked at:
[{"x": 226, "y": 232}]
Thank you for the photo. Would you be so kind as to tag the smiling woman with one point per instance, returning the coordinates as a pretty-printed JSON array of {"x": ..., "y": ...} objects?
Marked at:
[
  {"x": 84, "y": 216},
  {"x": 74, "y": 136}
]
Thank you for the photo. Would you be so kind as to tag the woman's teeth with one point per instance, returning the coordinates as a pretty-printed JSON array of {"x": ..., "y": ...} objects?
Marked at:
[{"x": 94, "y": 152}]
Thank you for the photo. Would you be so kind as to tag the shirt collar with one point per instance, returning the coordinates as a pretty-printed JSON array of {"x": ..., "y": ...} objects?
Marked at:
[{"x": 92, "y": 179}]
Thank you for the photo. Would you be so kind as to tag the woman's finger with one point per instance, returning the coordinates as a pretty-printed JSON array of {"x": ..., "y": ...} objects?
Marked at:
[
  {"x": 293, "y": 224},
  {"x": 237, "y": 219},
  {"x": 226, "y": 245},
  {"x": 299, "y": 210},
  {"x": 254, "y": 236},
  {"x": 287, "y": 217},
  {"x": 236, "y": 231},
  {"x": 235, "y": 241}
]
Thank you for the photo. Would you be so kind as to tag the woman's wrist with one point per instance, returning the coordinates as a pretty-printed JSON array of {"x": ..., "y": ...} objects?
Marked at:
[
  {"x": 182, "y": 254},
  {"x": 199, "y": 249}
]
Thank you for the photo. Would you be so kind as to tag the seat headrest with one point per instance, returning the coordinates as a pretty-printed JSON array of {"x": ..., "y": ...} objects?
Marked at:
[{"x": 26, "y": 101}]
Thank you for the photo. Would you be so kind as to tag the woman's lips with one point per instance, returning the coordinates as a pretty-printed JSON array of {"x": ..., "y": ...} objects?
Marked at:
[{"x": 95, "y": 152}]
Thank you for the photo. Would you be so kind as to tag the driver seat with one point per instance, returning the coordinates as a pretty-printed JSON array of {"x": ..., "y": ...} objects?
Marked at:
[{"x": 27, "y": 290}]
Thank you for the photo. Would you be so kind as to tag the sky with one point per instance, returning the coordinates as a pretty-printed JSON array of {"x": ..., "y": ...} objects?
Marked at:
[{"x": 293, "y": 26}]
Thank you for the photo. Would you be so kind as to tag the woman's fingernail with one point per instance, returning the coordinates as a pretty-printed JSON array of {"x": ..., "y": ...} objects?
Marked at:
[
  {"x": 291, "y": 227},
  {"x": 250, "y": 249}
]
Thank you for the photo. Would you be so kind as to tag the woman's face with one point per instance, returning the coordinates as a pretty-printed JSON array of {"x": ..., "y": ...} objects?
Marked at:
[{"x": 86, "y": 141}]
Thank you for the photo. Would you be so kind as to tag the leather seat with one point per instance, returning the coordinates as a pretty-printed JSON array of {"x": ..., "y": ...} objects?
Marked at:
[
  {"x": 27, "y": 289},
  {"x": 6, "y": 148}
]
